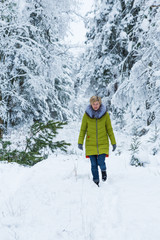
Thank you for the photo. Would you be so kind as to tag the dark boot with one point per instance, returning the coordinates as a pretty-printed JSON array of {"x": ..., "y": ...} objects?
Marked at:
[
  {"x": 96, "y": 182},
  {"x": 104, "y": 175}
]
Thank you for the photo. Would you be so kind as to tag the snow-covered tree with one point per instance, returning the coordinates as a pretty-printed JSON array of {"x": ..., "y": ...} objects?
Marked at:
[
  {"x": 32, "y": 58},
  {"x": 139, "y": 95},
  {"x": 112, "y": 45}
]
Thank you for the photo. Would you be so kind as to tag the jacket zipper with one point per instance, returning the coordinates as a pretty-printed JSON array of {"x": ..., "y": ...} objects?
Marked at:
[{"x": 97, "y": 136}]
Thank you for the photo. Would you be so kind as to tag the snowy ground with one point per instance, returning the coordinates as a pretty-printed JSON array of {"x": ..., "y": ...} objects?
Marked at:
[{"x": 57, "y": 200}]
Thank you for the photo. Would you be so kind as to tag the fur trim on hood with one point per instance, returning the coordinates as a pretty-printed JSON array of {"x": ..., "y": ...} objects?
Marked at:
[{"x": 96, "y": 114}]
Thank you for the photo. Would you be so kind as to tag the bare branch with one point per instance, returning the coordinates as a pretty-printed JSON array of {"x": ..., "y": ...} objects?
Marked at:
[{"x": 155, "y": 5}]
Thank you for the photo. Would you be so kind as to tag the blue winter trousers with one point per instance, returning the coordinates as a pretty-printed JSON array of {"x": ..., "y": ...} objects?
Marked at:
[{"x": 97, "y": 160}]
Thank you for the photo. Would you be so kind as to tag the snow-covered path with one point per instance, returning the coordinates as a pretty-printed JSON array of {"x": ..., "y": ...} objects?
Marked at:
[{"x": 56, "y": 199}]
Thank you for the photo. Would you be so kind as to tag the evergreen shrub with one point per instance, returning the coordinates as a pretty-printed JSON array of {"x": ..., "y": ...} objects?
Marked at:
[
  {"x": 37, "y": 146},
  {"x": 134, "y": 148}
]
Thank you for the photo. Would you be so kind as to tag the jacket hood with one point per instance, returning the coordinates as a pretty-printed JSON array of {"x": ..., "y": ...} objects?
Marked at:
[{"x": 96, "y": 114}]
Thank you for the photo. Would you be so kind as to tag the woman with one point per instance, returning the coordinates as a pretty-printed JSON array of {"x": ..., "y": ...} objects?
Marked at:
[{"x": 96, "y": 125}]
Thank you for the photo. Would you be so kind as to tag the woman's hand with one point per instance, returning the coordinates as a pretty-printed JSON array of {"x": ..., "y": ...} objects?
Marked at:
[
  {"x": 114, "y": 147},
  {"x": 80, "y": 146}
]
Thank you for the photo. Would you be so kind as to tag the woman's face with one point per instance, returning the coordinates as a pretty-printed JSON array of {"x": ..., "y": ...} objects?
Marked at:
[{"x": 95, "y": 105}]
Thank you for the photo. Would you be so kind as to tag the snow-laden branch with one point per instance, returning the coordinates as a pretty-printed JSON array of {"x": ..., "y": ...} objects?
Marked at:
[{"x": 70, "y": 12}]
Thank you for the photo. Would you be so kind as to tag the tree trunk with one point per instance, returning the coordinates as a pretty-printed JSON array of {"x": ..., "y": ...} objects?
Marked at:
[
  {"x": 1, "y": 121},
  {"x": 1, "y": 130},
  {"x": 131, "y": 4},
  {"x": 123, "y": 6}
]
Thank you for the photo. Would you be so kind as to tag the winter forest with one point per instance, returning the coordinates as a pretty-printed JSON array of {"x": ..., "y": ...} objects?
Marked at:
[{"x": 46, "y": 81}]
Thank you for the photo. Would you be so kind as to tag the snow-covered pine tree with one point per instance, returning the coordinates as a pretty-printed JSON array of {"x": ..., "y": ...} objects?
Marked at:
[
  {"x": 112, "y": 44},
  {"x": 139, "y": 96},
  {"x": 31, "y": 58}
]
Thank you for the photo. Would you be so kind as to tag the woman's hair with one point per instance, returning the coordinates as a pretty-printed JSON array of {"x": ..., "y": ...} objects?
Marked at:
[{"x": 95, "y": 99}]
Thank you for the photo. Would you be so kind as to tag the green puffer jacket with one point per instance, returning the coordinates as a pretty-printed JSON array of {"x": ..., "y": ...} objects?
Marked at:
[{"x": 96, "y": 125}]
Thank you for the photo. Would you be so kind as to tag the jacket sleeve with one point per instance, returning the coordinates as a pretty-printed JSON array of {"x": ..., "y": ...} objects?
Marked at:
[
  {"x": 109, "y": 130},
  {"x": 83, "y": 130}
]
